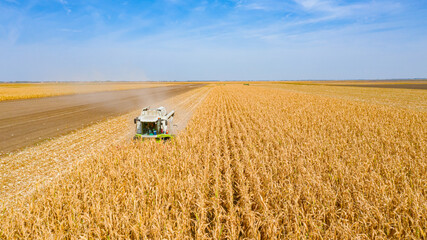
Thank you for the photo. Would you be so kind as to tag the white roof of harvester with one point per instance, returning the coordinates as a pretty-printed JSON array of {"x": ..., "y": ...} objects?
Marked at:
[
  {"x": 148, "y": 115},
  {"x": 148, "y": 118}
]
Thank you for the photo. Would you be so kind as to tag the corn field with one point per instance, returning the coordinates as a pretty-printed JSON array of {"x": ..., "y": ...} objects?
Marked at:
[
  {"x": 254, "y": 162},
  {"x": 15, "y": 91}
]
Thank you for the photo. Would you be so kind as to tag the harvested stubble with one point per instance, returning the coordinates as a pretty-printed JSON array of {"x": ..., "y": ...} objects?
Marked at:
[{"x": 253, "y": 163}]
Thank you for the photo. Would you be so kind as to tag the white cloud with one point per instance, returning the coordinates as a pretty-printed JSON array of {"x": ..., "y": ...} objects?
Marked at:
[
  {"x": 266, "y": 5},
  {"x": 311, "y": 3},
  {"x": 333, "y": 9},
  {"x": 65, "y": 6},
  {"x": 255, "y": 6}
]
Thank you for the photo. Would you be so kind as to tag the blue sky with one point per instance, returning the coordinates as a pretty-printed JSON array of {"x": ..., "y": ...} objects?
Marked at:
[{"x": 61, "y": 40}]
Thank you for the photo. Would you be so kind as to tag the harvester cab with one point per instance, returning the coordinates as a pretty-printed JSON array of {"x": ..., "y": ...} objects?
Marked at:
[{"x": 155, "y": 124}]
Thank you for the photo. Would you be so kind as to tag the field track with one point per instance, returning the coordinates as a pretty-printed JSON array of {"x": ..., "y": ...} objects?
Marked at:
[{"x": 25, "y": 122}]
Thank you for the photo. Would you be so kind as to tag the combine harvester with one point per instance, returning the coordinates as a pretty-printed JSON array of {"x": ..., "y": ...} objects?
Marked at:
[{"x": 154, "y": 124}]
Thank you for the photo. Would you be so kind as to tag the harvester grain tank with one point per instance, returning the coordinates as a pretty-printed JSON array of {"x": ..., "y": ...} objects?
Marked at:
[{"x": 154, "y": 124}]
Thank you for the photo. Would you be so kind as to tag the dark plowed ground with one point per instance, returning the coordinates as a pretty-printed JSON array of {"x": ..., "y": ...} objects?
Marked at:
[{"x": 25, "y": 122}]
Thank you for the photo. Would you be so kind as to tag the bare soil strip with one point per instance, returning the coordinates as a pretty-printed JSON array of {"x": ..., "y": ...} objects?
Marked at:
[
  {"x": 25, "y": 122},
  {"x": 34, "y": 167}
]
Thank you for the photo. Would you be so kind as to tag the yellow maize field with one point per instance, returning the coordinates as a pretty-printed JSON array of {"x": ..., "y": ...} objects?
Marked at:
[
  {"x": 14, "y": 91},
  {"x": 414, "y": 99},
  {"x": 254, "y": 162}
]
